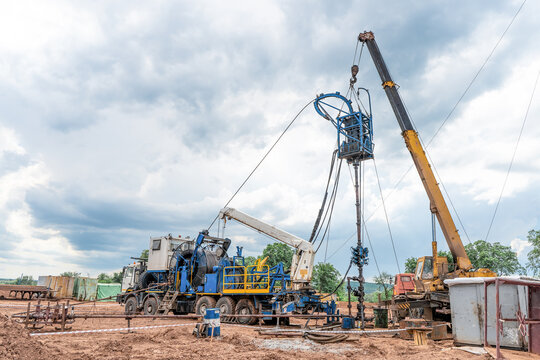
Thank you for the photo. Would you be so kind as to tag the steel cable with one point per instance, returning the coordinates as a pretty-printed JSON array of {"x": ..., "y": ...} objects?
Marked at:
[
  {"x": 263, "y": 158},
  {"x": 513, "y": 156}
]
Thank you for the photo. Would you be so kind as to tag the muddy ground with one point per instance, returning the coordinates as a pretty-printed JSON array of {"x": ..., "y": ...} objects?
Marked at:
[{"x": 179, "y": 343}]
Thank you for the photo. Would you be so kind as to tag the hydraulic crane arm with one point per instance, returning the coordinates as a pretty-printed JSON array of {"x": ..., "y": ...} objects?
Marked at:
[
  {"x": 437, "y": 203},
  {"x": 302, "y": 261}
]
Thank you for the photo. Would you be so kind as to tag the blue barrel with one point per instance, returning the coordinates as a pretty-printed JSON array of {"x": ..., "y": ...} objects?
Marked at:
[
  {"x": 212, "y": 319},
  {"x": 348, "y": 323}
]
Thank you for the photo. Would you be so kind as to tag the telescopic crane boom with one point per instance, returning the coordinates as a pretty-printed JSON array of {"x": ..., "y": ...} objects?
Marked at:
[
  {"x": 302, "y": 261},
  {"x": 437, "y": 203}
]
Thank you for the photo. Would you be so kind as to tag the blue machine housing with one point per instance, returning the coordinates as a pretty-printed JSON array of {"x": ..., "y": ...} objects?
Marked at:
[
  {"x": 201, "y": 272},
  {"x": 354, "y": 128}
]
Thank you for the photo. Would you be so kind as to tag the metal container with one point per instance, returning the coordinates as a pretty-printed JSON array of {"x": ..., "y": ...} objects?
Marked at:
[
  {"x": 61, "y": 286},
  {"x": 381, "y": 317},
  {"x": 467, "y": 309},
  {"x": 85, "y": 289}
]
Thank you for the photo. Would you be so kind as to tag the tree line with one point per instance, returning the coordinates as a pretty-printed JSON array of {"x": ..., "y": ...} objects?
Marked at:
[{"x": 494, "y": 256}]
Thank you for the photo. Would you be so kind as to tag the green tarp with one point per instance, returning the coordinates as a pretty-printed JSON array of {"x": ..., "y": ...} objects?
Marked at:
[{"x": 107, "y": 290}]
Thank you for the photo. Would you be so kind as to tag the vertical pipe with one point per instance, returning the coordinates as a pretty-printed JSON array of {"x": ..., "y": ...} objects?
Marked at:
[
  {"x": 498, "y": 318},
  {"x": 349, "y": 295},
  {"x": 359, "y": 242},
  {"x": 485, "y": 313}
]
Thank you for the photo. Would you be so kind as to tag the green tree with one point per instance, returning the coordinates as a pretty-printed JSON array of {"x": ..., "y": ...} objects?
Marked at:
[
  {"x": 385, "y": 280},
  {"x": 410, "y": 265},
  {"x": 278, "y": 252},
  {"x": 70, "y": 274},
  {"x": 104, "y": 278},
  {"x": 144, "y": 254},
  {"x": 326, "y": 278},
  {"x": 449, "y": 257},
  {"x": 108, "y": 279},
  {"x": 496, "y": 257},
  {"x": 374, "y": 296},
  {"x": 25, "y": 280},
  {"x": 117, "y": 277},
  {"x": 534, "y": 255},
  {"x": 250, "y": 260}
]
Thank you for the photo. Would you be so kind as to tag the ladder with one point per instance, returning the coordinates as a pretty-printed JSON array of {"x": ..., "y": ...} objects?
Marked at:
[{"x": 167, "y": 302}]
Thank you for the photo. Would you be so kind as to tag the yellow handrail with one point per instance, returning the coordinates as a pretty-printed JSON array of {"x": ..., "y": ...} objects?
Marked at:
[{"x": 251, "y": 282}]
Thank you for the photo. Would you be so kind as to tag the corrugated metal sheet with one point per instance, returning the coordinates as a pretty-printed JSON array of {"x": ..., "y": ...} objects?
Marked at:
[
  {"x": 85, "y": 288},
  {"x": 467, "y": 300},
  {"x": 61, "y": 286}
]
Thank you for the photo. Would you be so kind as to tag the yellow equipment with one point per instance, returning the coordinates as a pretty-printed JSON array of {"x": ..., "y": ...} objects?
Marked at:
[{"x": 430, "y": 270}]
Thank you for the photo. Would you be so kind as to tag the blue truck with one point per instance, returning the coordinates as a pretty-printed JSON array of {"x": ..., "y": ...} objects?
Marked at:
[{"x": 186, "y": 275}]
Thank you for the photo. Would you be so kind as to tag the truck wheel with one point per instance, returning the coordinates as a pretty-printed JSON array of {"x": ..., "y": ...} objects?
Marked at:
[
  {"x": 131, "y": 306},
  {"x": 246, "y": 307},
  {"x": 150, "y": 305},
  {"x": 226, "y": 305},
  {"x": 145, "y": 280},
  {"x": 205, "y": 302}
]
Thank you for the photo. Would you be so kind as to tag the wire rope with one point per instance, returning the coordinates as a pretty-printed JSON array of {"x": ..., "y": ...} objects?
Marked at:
[
  {"x": 386, "y": 215},
  {"x": 513, "y": 156},
  {"x": 263, "y": 158}
]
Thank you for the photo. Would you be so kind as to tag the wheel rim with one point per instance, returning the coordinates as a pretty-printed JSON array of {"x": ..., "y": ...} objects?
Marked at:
[
  {"x": 130, "y": 307},
  {"x": 203, "y": 309},
  {"x": 223, "y": 309},
  {"x": 245, "y": 311}
]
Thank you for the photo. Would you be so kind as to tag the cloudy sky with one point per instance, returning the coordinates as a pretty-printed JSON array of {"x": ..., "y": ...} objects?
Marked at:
[{"x": 125, "y": 120}]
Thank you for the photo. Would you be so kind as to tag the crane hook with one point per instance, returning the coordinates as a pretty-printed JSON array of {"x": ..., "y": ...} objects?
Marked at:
[{"x": 354, "y": 72}]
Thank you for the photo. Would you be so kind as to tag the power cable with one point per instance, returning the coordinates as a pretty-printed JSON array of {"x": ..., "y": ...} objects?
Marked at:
[
  {"x": 513, "y": 156},
  {"x": 342, "y": 280},
  {"x": 448, "y": 117},
  {"x": 321, "y": 210},
  {"x": 439, "y": 129},
  {"x": 330, "y": 209},
  {"x": 263, "y": 158},
  {"x": 477, "y": 73},
  {"x": 386, "y": 215}
]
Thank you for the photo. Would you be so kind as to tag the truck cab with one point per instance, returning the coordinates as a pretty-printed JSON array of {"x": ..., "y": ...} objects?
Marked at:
[
  {"x": 403, "y": 283},
  {"x": 131, "y": 273}
]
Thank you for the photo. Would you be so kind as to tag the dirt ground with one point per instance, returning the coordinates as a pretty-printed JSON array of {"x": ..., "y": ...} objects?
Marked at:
[{"x": 179, "y": 343}]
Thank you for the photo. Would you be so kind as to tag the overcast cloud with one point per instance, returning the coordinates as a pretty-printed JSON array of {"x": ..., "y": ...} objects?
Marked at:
[{"x": 125, "y": 120}]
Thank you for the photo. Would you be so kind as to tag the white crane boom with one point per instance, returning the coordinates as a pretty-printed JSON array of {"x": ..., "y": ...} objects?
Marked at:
[{"x": 302, "y": 261}]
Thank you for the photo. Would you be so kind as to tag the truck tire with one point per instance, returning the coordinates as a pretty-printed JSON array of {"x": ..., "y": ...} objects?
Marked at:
[
  {"x": 131, "y": 306},
  {"x": 145, "y": 280},
  {"x": 226, "y": 305},
  {"x": 150, "y": 305},
  {"x": 246, "y": 307},
  {"x": 205, "y": 302}
]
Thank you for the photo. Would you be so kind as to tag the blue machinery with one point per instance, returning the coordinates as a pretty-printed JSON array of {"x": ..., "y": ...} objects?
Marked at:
[
  {"x": 355, "y": 144},
  {"x": 354, "y": 128},
  {"x": 203, "y": 276}
]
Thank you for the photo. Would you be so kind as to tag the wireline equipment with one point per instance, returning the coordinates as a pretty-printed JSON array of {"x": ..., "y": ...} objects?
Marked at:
[
  {"x": 192, "y": 275},
  {"x": 355, "y": 144}
]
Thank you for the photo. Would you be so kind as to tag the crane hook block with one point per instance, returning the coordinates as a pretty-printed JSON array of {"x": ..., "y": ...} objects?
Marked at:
[{"x": 354, "y": 128}]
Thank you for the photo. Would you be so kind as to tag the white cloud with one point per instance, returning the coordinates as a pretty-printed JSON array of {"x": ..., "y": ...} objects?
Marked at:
[
  {"x": 169, "y": 107},
  {"x": 519, "y": 245},
  {"x": 31, "y": 249}
]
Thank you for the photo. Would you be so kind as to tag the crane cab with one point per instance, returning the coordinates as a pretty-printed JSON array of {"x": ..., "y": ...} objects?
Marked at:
[{"x": 427, "y": 272}]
